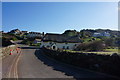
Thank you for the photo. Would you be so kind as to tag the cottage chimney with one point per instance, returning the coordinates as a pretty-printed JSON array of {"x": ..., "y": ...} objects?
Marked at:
[{"x": 43, "y": 33}]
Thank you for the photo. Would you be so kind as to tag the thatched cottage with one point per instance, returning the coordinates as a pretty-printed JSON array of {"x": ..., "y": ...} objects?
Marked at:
[{"x": 60, "y": 41}]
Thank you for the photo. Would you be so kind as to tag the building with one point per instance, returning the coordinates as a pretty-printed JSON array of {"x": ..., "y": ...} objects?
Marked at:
[
  {"x": 34, "y": 35},
  {"x": 1, "y": 32},
  {"x": 58, "y": 45},
  {"x": 105, "y": 34},
  {"x": 15, "y": 31},
  {"x": 37, "y": 41},
  {"x": 23, "y": 32},
  {"x": 59, "y": 41}
]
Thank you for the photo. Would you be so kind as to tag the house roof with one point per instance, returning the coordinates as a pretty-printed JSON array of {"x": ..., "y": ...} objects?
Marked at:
[
  {"x": 25, "y": 31},
  {"x": 34, "y": 33},
  {"x": 74, "y": 39},
  {"x": 60, "y": 38}
]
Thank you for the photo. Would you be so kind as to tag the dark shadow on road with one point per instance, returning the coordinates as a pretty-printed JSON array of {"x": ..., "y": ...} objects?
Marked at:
[{"x": 78, "y": 74}]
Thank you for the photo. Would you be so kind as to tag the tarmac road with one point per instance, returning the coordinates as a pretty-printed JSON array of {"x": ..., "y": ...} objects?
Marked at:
[
  {"x": 27, "y": 65},
  {"x": 32, "y": 63}
]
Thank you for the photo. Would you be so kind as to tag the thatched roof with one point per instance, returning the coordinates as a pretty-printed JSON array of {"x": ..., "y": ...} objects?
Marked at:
[{"x": 60, "y": 38}]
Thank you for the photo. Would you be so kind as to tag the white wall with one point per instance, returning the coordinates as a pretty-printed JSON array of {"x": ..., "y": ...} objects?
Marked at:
[
  {"x": 45, "y": 44},
  {"x": 70, "y": 45},
  {"x": 60, "y": 45}
]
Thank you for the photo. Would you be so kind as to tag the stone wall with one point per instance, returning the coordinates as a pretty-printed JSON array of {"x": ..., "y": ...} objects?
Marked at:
[{"x": 109, "y": 64}]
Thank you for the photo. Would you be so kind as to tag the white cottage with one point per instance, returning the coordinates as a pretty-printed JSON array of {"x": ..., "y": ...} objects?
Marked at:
[
  {"x": 57, "y": 45},
  {"x": 59, "y": 41}
]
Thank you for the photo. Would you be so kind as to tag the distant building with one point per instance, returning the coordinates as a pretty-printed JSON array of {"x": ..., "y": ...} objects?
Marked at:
[
  {"x": 106, "y": 34},
  {"x": 34, "y": 35},
  {"x": 15, "y": 31},
  {"x": 1, "y": 31},
  {"x": 37, "y": 41},
  {"x": 24, "y": 32},
  {"x": 59, "y": 41}
]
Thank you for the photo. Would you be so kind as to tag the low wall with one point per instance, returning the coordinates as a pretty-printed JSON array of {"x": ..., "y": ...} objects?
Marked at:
[
  {"x": 109, "y": 64},
  {"x": 4, "y": 51}
]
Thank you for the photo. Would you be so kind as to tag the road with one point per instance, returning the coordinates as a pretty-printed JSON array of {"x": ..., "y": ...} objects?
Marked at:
[{"x": 32, "y": 63}]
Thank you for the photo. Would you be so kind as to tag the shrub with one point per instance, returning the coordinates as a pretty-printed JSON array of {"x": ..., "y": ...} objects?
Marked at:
[
  {"x": 91, "y": 46},
  {"x": 27, "y": 42},
  {"x": 13, "y": 38},
  {"x": 6, "y": 41},
  {"x": 110, "y": 42}
]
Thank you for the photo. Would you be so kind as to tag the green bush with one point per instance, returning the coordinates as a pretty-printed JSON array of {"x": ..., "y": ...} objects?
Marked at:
[
  {"x": 27, "y": 42},
  {"x": 110, "y": 42},
  {"x": 38, "y": 44},
  {"x": 91, "y": 46},
  {"x": 13, "y": 38}
]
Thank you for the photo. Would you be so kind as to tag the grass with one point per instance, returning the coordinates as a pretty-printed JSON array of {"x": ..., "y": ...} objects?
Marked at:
[
  {"x": 112, "y": 50},
  {"x": 102, "y": 52},
  {"x": 106, "y": 51},
  {"x": 89, "y": 39},
  {"x": 38, "y": 44}
]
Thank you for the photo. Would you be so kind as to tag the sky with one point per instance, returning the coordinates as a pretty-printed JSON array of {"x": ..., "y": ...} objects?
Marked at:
[{"x": 56, "y": 17}]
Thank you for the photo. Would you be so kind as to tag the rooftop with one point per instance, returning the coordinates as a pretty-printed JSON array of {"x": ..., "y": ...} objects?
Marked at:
[{"x": 60, "y": 38}]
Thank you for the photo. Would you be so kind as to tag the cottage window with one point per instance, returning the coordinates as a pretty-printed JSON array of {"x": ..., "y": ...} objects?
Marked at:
[{"x": 67, "y": 47}]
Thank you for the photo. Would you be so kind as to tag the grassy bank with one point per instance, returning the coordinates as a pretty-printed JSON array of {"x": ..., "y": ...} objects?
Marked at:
[{"x": 106, "y": 51}]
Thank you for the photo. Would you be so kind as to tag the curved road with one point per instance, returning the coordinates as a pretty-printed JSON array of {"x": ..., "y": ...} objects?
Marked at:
[{"x": 32, "y": 63}]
